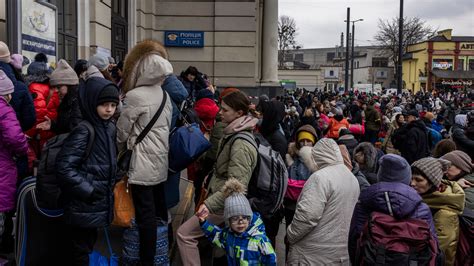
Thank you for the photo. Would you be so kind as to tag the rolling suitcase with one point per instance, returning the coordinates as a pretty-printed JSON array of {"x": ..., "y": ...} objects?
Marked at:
[{"x": 40, "y": 234}]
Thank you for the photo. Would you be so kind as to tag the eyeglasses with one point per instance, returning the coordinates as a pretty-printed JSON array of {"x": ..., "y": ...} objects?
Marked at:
[{"x": 239, "y": 219}]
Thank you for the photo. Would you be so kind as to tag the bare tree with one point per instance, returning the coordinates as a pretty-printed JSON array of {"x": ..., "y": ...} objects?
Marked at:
[
  {"x": 414, "y": 30},
  {"x": 287, "y": 32}
]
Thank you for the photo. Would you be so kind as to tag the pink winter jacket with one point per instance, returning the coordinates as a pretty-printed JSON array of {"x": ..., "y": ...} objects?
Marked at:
[{"x": 13, "y": 143}]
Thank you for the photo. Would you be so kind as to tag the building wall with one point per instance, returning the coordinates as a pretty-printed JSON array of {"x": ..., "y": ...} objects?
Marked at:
[
  {"x": 308, "y": 79},
  {"x": 3, "y": 21},
  {"x": 229, "y": 55}
]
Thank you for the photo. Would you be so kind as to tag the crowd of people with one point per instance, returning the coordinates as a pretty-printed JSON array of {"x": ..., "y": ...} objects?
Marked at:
[{"x": 352, "y": 159}]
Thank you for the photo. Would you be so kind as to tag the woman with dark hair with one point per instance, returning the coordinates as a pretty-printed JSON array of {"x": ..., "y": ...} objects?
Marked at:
[
  {"x": 443, "y": 147},
  {"x": 445, "y": 199},
  {"x": 236, "y": 158}
]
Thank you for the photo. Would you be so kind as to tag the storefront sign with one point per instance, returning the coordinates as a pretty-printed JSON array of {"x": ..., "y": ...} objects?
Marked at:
[
  {"x": 467, "y": 46},
  {"x": 38, "y": 29},
  {"x": 457, "y": 82},
  {"x": 184, "y": 38},
  {"x": 443, "y": 64}
]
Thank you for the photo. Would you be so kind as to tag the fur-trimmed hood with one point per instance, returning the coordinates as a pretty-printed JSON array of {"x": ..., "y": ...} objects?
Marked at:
[
  {"x": 304, "y": 155},
  {"x": 370, "y": 154},
  {"x": 146, "y": 64}
]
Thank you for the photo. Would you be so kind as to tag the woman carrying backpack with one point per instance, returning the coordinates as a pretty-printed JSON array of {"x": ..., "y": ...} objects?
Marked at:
[
  {"x": 445, "y": 199},
  {"x": 237, "y": 159},
  {"x": 394, "y": 176}
]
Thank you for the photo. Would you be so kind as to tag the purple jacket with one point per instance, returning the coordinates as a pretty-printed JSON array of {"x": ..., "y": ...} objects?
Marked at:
[
  {"x": 13, "y": 143},
  {"x": 405, "y": 201}
]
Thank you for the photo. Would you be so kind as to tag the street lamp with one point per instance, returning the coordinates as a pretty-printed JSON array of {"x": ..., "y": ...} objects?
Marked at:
[{"x": 352, "y": 49}]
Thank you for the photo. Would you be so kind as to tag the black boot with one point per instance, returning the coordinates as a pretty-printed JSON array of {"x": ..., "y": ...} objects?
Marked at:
[{"x": 147, "y": 246}]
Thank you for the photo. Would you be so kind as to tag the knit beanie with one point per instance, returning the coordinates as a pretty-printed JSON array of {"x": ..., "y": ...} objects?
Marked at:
[
  {"x": 37, "y": 69},
  {"x": 4, "y": 53},
  {"x": 236, "y": 203},
  {"x": 459, "y": 159},
  {"x": 108, "y": 94},
  {"x": 100, "y": 61},
  {"x": 432, "y": 168},
  {"x": 6, "y": 85},
  {"x": 63, "y": 75},
  {"x": 17, "y": 61},
  {"x": 394, "y": 168}
]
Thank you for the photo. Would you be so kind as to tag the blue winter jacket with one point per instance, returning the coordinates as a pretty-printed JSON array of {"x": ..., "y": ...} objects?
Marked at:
[
  {"x": 177, "y": 93},
  {"x": 87, "y": 185},
  {"x": 252, "y": 247},
  {"x": 405, "y": 202},
  {"x": 437, "y": 126},
  {"x": 21, "y": 101}
]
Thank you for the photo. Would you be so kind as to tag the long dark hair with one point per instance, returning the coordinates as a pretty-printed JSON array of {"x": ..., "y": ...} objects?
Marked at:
[{"x": 238, "y": 101}]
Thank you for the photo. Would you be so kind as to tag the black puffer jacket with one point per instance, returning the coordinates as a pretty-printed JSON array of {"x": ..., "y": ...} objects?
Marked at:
[
  {"x": 88, "y": 186},
  {"x": 273, "y": 114},
  {"x": 463, "y": 142},
  {"x": 412, "y": 141}
]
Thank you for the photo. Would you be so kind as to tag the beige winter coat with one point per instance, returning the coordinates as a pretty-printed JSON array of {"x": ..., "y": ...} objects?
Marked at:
[
  {"x": 149, "y": 164},
  {"x": 319, "y": 232}
]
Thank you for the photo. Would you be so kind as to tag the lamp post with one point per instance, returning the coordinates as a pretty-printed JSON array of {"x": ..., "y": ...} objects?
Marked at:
[
  {"x": 400, "y": 52},
  {"x": 346, "y": 74},
  {"x": 352, "y": 49}
]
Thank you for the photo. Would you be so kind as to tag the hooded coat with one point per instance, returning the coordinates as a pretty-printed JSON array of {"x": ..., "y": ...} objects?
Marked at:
[
  {"x": 405, "y": 202},
  {"x": 446, "y": 207},
  {"x": 235, "y": 159},
  {"x": 13, "y": 143},
  {"x": 87, "y": 185},
  {"x": 273, "y": 114},
  {"x": 412, "y": 141},
  {"x": 320, "y": 228},
  {"x": 252, "y": 247},
  {"x": 21, "y": 101},
  {"x": 149, "y": 162},
  {"x": 371, "y": 156}
]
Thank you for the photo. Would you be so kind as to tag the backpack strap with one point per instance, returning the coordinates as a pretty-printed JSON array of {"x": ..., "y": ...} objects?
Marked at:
[{"x": 90, "y": 142}]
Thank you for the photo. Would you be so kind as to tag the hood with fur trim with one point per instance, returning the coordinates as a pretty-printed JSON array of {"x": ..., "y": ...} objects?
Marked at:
[
  {"x": 370, "y": 155},
  {"x": 145, "y": 65}
]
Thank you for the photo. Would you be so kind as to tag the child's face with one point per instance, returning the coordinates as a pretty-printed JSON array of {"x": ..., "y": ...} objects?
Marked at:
[
  {"x": 239, "y": 224},
  {"x": 106, "y": 110}
]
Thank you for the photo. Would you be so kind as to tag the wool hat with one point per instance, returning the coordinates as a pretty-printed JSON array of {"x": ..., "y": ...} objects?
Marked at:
[
  {"x": 307, "y": 136},
  {"x": 459, "y": 159},
  {"x": 432, "y": 168},
  {"x": 17, "y": 61},
  {"x": 100, "y": 61},
  {"x": 430, "y": 116},
  {"x": 6, "y": 85},
  {"x": 411, "y": 112},
  {"x": 236, "y": 203},
  {"x": 4, "y": 53},
  {"x": 108, "y": 94},
  {"x": 63, "y": 75},
  {"x": 38, "y": 69},
  {"x": 394, "y": 168}
]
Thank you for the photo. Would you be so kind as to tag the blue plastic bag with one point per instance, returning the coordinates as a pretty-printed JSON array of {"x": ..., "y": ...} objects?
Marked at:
[
  {"x": 97, "y": 259},
  {"x": 187, "y": 143}
]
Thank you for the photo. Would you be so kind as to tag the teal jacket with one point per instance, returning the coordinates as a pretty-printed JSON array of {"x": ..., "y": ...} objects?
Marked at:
[{"x": 252, "y": 247}]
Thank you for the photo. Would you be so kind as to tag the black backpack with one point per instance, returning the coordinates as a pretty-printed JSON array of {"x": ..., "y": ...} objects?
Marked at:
[
  {"x": 48, "y": 192},
  {"x": 267, "y": 186}
]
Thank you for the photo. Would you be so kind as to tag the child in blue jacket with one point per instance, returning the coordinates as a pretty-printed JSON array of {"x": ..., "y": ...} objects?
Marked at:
[{"x": 243, "y": 238}]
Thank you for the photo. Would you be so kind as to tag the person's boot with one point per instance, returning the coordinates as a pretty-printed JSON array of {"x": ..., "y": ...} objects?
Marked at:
[{"x": 170, "y": 236}]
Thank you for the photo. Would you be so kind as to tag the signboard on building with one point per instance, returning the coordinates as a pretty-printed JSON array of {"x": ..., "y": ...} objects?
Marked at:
[
  {"x": 184, "y": 38},
  {"x": 442, "y": 64},
  {"x": 467, "y": 46},
  {"x": 38, "y": 29}
]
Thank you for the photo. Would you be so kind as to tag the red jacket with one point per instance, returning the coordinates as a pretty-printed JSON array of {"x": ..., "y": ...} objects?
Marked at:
[
  {"x": 45, "y": 105},
  {"x": 334, "y": 127}
]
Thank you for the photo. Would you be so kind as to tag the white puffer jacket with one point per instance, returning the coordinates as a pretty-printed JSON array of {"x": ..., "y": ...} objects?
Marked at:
[{"x": 149, "y": 163}]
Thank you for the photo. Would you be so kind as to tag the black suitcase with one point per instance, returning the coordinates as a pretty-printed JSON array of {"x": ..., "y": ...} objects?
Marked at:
[{"x": 40, "y": 235}]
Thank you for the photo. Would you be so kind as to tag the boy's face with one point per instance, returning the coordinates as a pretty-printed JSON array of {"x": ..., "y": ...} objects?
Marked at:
[
  {"x": 106, "y": 110},
  {"x": 239, "y": 224}
]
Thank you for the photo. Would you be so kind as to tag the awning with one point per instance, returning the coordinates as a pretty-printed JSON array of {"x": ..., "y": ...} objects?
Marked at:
[{"x": 456, "y": 74}]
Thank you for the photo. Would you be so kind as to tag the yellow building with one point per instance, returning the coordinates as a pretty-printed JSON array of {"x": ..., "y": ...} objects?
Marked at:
[{"x": 442, "y": 62}]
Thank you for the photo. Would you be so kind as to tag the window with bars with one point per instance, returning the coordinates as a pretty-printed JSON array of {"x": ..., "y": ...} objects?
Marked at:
[{"x": 67, "y": 29}]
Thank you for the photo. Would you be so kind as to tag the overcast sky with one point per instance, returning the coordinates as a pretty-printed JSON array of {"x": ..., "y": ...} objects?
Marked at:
[{"x": 320, "y": 22}]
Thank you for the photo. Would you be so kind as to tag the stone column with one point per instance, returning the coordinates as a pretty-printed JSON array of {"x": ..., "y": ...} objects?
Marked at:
[
  {"x": 83, "y": 29},
  {"x": 270, "y": 42},
  {"x": 132, "y": 23}
]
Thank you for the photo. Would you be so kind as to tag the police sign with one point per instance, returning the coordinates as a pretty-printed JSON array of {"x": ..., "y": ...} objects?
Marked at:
[{"x": 184, "y": 38}]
